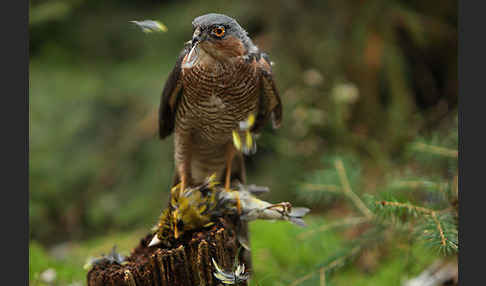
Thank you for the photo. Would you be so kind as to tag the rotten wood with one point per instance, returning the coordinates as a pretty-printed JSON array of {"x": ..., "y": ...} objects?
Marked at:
[{"x": 189, "y": 262}]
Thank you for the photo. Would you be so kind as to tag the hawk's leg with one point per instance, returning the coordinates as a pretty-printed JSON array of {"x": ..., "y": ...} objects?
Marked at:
[
  {"x": 183, "y": 159},
  {"x": 182, "y": 174},
  {"x": 230, "y": 154}
]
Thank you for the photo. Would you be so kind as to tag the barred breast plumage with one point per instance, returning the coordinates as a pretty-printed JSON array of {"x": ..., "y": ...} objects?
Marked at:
[{"x": 215, "y": 99}]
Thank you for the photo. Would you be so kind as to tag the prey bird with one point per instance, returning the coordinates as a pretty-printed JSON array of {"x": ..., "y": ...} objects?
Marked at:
[
  {"x": 220, "y": 81},
  {"x": 202, "y": 205}
]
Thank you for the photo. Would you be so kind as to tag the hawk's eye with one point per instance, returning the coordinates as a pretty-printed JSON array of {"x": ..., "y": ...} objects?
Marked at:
[{"x": 218, "y": 31}]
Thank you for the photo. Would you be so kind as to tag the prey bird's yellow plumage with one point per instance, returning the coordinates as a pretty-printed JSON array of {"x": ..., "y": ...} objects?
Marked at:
[{"x": 198, "y": 207}]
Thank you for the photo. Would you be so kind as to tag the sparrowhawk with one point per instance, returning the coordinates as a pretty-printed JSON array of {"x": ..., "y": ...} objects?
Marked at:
[{"x": 220, "y": 78}]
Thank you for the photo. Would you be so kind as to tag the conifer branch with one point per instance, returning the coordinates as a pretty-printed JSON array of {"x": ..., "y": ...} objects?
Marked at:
[
  {"x": 322, "y": 277},
  {"x": 302, "y": 279},
  {"x": 407, "y": 206},
  {"x": 441, "y": 231},
  {"x": 415, "y": 184},
  {"x": 335, "y": 263},
  {"x": 426, "y": 211},
  {"x": 349, "y": 192},
  {"x": 419, "y": 146},
  {"x": 340, "y": 260}
]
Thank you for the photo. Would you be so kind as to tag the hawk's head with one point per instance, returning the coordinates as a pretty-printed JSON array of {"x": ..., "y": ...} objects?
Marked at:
[{"x": 219, "y": 36}]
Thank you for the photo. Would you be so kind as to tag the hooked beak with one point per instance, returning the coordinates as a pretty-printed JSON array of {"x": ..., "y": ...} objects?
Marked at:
[
  {"x": 196, "y": 36},
  {"x": 194, "y": 52}
]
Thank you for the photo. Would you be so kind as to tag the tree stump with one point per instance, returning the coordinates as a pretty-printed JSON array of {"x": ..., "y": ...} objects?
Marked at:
[{"x": 189, "y": 262}]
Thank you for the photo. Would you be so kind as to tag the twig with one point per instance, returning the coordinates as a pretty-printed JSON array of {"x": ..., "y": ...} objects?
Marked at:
[
  {"x": 323, "y": 269},
  {"x": 441, "y": 232},
  {"x": 302, "y": 279},
  {"x": 349, "y": 192},
  {"x": 322, "y": 277},
  {"x": 456, "y": 185},
  {"x": 340, "y": 260},
  {"x": 436, "y": 150},
  {"x": 408, "y": 206},
  {"x": 445, "y": 210},
  {"x": 414, "y": 184},
  {"x": 427, "y": 211}
]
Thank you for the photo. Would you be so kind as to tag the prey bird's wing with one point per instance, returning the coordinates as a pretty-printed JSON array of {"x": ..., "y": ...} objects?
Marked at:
[
  {"x": 169, "y": 100},
  {"x": 270, "y": 103}
]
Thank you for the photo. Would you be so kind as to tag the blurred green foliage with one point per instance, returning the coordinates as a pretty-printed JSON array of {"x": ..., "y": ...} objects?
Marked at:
[
  {"x": 417, "y": 202},
  {"x": 361, "y": 79},
  {"x": 274, "y": 264},
  {"x": 358, "y": 77}
]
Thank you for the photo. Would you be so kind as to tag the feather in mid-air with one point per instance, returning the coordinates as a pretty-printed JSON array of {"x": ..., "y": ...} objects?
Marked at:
[{"x": 149, "y": 26}]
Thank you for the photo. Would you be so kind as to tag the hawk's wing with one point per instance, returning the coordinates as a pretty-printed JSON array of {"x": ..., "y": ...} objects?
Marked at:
[
  {"x": 169, "y": 100},
  {"x": 270, "y": 103}
]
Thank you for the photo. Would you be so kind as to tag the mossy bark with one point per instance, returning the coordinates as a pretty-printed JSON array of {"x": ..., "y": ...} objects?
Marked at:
[{"x": 187, "y": 263}]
